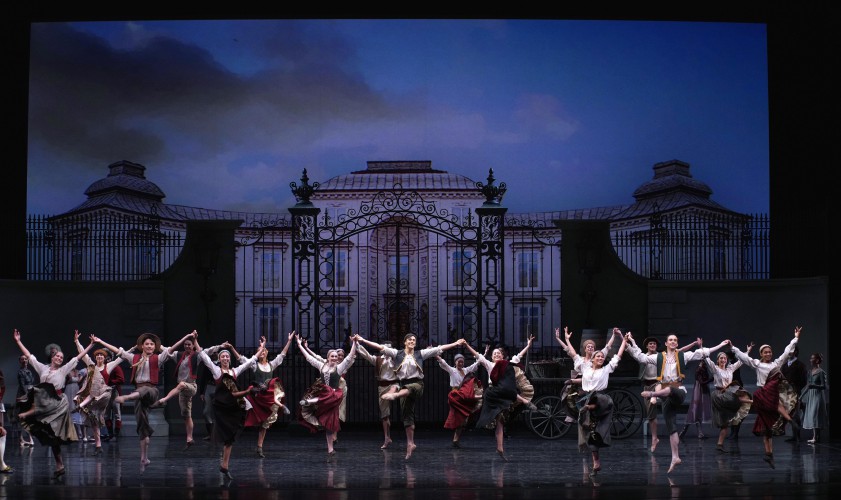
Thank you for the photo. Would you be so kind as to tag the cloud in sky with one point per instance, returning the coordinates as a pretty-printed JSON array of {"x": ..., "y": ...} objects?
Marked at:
[{"x": 226, "y": 114}]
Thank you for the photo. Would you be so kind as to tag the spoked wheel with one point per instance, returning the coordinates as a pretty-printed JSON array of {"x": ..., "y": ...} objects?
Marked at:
[
  {"x": 627, "y": 413},
  {"x": 548, "y": 420}
]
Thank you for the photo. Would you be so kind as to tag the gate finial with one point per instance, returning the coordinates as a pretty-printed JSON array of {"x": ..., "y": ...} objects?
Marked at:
[
  {"x": 304, "y": 191},
  {"x": 493, "y": 194}
]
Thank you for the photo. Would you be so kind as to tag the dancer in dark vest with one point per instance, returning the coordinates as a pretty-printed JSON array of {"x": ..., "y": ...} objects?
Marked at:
[
  {"x": 95, "y": 397},
  {"x": 146, "y": 358},
  {"x": 268, "y": 396},
  {"x": 408, "y": 366},
  {"x": 186, "y": 372}
]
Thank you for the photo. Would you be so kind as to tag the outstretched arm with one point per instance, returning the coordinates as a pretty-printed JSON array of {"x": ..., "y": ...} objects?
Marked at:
[
  {"x": 83, "y": 352},
  {"x": 108, "y": 346},
  {"x": 624, "y": 344},
  {"x": 526, "y": 348},
  {"x": 570, "y": 350},
  {"x": 176, "y": 345},
  {"x": 23, "y": 349},
  {"x": 371, "y": 344},
  {"x": 453, "y": 344},
  {"x": 697, "y": 342},
  {"x": 470, "y": 348}
]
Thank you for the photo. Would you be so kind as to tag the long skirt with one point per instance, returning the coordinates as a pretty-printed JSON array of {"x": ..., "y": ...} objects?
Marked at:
[
  {"x": 814, "y": 409},
  {"x": 229, "y": 412},
  {"x": 725, "y": 405},
  {"x": 51, "y": 423},
  {"x": 765, "y": 403},
  {"x": 263, "y": 411},
  {"x": 597, "y": 420},
  {"x": 463, "y": 403},
  {"x": 325, "y": 413},
  {"x": 700, "y": 406}
]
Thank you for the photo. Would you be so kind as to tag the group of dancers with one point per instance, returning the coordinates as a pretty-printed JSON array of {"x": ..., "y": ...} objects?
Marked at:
[{"x": 483, "y": 399}]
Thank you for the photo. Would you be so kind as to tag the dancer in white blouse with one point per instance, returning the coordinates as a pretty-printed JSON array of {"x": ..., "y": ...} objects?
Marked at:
[
  {"x": 319, "y": 407},
  {"x": 47, "y": 415},
  {"x": 766, "y": 398},
  {"x": 96, "y": 395},
  {"x": 596, "y": 413},
  {"x": 386, "y": 382},
  {"x": 268, "y": 396},
  {"x": 229, "y": 404},
  {"x": 463, "y": 397},
  {"x": 728, "y": 396}
]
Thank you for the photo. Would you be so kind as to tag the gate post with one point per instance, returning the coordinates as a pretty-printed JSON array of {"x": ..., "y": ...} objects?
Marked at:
[
  {"x": 304, "y": 256},
  {"x": 491, "y": 261}
]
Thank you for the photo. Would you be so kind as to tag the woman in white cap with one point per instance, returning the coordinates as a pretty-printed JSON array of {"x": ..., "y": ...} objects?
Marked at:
[{"x": 465, "y": 394}]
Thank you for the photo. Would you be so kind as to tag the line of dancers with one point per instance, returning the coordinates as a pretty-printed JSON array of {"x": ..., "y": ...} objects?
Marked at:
[{"x": 476, "y": 400}]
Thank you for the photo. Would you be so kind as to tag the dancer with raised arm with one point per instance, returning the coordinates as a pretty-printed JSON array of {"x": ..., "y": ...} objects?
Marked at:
[
  {"x": 46, "y": 414},
  {"x": 186, "y": 373},
  {"x": 596, "y": 406},
  {"x": 386, "y": 382},
  {"x": 408, "y": 366},
  {"x": 228, "y": 401},
  {"x": 766, "y": 399},
  {"x": 268, "y": 396},
  {"x": 340, "y": 353},
  {"x": 319, "y": 408},
  {"x": 465, "y": 394},
  {"x": 146, "y": 366},
  {"x": 671, "y": 366},
  {"x": 96, "y": 396},
  {"x": 728, "y": 396},
  {"x": 572, "y": 387}
]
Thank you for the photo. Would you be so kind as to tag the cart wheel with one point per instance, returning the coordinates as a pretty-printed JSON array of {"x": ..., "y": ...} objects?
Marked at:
[
  {"x": 627, "y": 413},
  {"x": 548, "y": 420}
]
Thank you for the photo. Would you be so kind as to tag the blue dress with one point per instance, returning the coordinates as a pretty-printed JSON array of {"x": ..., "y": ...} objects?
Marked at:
[{"x": 813, "y": 399}]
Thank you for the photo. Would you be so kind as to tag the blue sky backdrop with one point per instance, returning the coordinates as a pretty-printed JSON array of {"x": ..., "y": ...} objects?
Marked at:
[{"x": 570, "y": 114}]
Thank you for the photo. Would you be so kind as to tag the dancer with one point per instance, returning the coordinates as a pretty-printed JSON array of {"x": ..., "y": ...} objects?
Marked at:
[
  {"x": 596, "y": 414},
  {"x": 766, "y": 399},
  {"x": 186, "y": 371},
  {"x": 501, "y": 393},
  {"x": 114, "y": 413},
  {"x": 814, "y": 399},
  {"x": 572, "y": 387},
  {"x": 671, "y": 365},
  {"x": 796, "y": 373},
  {"x": 700, "y": 406},
  {"x": 386, "y": 382},
  {"x": 229, "y": 401},
  {"x": 74, "y": 381},
  {"x": 728, "y": 396},
  {"x": 268, "y": 396},
  {"x": 408, "y": 366},
  {"x": 146, "y": 366},
  {"x": 26, "y": 381},
  {"x": 340, "y": 353},
  {"x": 206, "y": 389},
  {"x": 319, "y": 408},
  {"x": 4, "y": 467},
  {"x": 465, "y": 394},
  {"x": 96, "y": 395},
  {"x": 46, "y": 414}
]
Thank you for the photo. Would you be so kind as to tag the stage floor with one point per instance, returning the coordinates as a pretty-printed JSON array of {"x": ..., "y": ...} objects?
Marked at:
[{"x": 296, "y": 466}]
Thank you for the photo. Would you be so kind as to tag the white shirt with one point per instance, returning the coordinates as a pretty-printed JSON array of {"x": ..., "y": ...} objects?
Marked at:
[
  {"x": 456, "y": 377},
  {"x": 763, "y": 369},
  {"x": 594, "y": 379}
]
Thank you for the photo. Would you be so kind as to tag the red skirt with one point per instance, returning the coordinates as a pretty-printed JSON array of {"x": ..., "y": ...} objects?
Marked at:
[
  {"x": 261, "y": 404},
  {"x": 766, "y": 401},
  {"x": 462, "y": 404},
  {"x": 325, "y": 413}
]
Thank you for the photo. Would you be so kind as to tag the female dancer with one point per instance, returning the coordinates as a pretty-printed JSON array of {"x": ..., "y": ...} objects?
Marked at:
[
  {"x": 268, "y": 396},
  {"x": 319, "y": 408},
  {"x": 4, "y": 467},
  {"x": 340, "y": 353},
  {"x": 465, "y": 394},
  {"x": 46, "y": 413},
  {"x": 26, "y": 381},
  {"x": 572, "y": 387},
  {"x": 146, "y": 366},
  {"x": 75, "y": 379},
  {"x": 96, "y": 395},
  {"x": 596, "y": 407},
  {"x": 501, "y": 393},
  {"x": 228, "y": 401},
  {"x": 813, "y": 399},
  {"x": 728, "y": 396},
  {"x": 700, "y": 406},
  {"x": 766, "y": 399}
]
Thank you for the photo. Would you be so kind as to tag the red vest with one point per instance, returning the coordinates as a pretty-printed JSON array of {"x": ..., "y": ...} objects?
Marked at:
[
  {"x": 154, "y": 369},
  {"x": 191, "y": 363}
]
